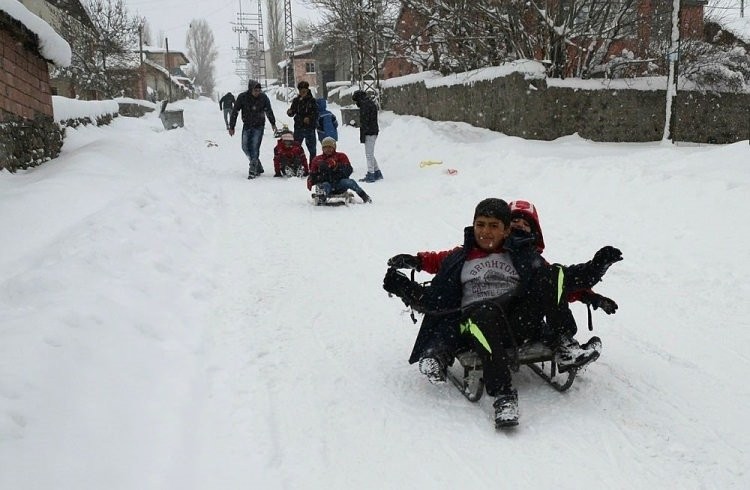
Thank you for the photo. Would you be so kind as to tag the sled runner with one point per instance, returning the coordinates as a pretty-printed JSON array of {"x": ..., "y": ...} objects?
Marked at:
[
  {"x": 339, "y": 199},
  {"x": 466, "y": 371}
]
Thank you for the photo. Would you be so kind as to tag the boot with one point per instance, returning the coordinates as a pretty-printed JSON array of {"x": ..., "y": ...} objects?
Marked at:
[
  {"x": 506, "y": 410},
  {"x": 434, "y": 364},
  {"x": 569, "y": 354},
  {"x": 433, "y": 368},
  {"x": 378, "y": 175},
  {"x": 370, "y": 177},
  {"x": 365, "y": 198}
]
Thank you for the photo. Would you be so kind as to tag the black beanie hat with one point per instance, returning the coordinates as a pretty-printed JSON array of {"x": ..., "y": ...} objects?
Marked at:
[{"x": 493, "y": 208}]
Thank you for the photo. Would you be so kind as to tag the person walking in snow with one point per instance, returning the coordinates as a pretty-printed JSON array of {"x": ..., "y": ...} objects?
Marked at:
[
  {"x": 255, "y": 107},
  {"x": 226, "y": 104},
  {"x": 304, "y": 110},
  {"x": 330, "y": 171},
  {"x": 289, "y": 157},
  {"x": 368, "y": 133},
  {"x": 495, "y": 288},
  {"x": 327, "y": 123}
]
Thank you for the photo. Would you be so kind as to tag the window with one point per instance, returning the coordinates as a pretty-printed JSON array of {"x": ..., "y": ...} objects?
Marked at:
[{"x": 309, "y": 67}]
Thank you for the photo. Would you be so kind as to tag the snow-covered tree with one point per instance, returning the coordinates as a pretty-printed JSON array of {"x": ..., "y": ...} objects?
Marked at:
[
  {"x": 362, "y": 27},
  {"x": 102, "y": 58}
]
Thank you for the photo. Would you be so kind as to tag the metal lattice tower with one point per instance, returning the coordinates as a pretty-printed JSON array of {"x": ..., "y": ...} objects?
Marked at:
[
  {"x": 368, "y": 33},
  {"x": 288, "y": 44},
  {"x": 250, "y": 58}
]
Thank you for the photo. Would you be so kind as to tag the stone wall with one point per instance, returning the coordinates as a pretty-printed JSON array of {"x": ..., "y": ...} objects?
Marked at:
[
  {"x": 27, "y": 143},
  {"x": 530, "y": 109}
]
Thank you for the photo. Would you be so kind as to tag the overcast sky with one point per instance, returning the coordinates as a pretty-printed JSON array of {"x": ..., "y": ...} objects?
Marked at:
[{"x": 172, "y": 18}]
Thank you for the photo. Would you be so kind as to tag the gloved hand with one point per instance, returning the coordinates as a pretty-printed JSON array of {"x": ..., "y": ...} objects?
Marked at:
[
  {"x": 396, "y": 282},
  {"x": 518, "y": 239},
  {"x": 608, "y": 305},
  {"x": 411, "y": 293},
  {"x": 605, "y": 257},
  {"x": 405, "y": 261}
]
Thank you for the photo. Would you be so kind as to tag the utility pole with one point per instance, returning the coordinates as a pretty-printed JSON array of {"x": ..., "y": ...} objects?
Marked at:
[
  {"x": 166, "y": 65},
  {"x": 142, "y": 79},
  {"x": 250, "y": 51},
  {"x": 289, "y": 78},
  {"x": 674, "y": 56},
  {"x": 368, "y": 35}
]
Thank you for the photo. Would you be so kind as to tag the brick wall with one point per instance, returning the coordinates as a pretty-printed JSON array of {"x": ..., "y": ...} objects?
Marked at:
[
  {"x": 24, "y": 78},
  {"x": 29, "y": 135}
]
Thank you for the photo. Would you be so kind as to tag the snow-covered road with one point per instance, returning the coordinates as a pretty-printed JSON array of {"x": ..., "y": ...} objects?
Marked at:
[{"x": 167, "y": 324}]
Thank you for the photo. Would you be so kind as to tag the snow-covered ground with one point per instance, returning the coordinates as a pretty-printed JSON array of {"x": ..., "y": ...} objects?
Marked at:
[{"x": 167, "y": 324}]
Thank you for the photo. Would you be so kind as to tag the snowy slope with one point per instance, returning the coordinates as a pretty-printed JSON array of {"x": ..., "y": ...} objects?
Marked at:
[{"x": 168, "y": 324}]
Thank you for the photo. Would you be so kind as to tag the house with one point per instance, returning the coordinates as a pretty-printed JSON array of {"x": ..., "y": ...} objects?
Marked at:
[
  {"x": 160, "y": 77},
  {"x": 74, "y": 15},
  {"x": 28, "y": 133},
  {"x": 320, "y": 63},
  {"x": 412, "y": 30}
]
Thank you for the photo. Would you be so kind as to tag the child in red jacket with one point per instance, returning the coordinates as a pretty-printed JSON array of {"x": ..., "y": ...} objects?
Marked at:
[{"x": 289, "y": 158}]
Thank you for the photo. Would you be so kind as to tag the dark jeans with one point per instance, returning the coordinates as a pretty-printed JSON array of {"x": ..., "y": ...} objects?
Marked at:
[
  {"x": 308, "y": 136},
  {"x": 340, "y": 186},
  {"x": 251, "y": 138}
]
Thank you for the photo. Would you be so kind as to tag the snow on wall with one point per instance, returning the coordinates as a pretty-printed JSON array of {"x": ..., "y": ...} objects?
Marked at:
[
  {"x": 66, "y": 108},
  {"x": 51, "y": 46}
]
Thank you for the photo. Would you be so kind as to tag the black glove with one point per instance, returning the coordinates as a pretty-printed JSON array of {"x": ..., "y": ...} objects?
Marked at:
[
  {"x": 335, "y": 174},
  {"x": 396, "y": 282},
  {"x": 605, "y": 257},
  {"x": 324, "y": 173},
  {"x": 411, "y": 293},
  {"x": 518, "y": 239},
  {"x": 608, "y": 305},
  {"x": 405, "y": 261}
]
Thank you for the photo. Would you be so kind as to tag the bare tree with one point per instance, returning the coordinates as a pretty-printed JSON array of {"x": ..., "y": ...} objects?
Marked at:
[
  {"x": 275, "y": 22},
  {"x": 355, "y": 25},
  {"x": 146, "y": 34},
  {"x": 202, "y": 52},
  {"x": 103, "y": 57},
  {"x": 571, "y": 36}
]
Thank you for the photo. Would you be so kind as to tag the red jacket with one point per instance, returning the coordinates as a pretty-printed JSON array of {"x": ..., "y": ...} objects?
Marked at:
[
  {"x": 293, "y": 155},
  {"x": 338, "y": 168}
]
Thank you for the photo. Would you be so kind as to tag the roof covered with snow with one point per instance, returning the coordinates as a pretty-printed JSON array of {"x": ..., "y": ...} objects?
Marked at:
[{"x": 51, "y": 45}]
